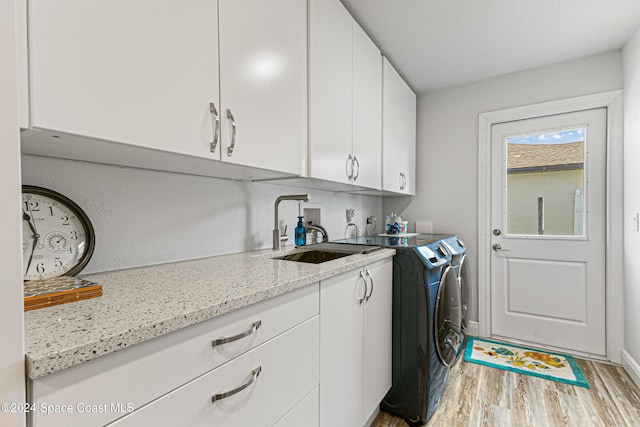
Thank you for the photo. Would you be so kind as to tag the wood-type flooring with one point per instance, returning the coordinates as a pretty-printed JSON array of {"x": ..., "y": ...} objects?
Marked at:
[{"x": 478, "y": 395}]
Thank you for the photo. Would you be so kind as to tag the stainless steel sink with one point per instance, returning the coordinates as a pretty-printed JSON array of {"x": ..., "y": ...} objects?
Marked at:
[
  {"x": 323, "y": 252},
  {"x": 314, "y": 257}
]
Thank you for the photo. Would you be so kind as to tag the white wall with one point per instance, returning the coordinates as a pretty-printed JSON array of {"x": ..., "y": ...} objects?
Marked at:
[
  {"x": 12, "y": 387},
  {"x": 631, "y": 55},
  {"x": 447, "y": 147},
  {"x": 146, "y": 217}
]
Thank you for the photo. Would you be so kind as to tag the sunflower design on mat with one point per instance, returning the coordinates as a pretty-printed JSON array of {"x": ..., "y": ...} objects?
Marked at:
[
  {"x": 529, "y": 359},
  {"x": 546, "y": 358}
]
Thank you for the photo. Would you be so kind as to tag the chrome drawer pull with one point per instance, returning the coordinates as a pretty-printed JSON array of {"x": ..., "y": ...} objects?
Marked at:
[
  {"x": 254, "y": 377},
  {"x": 216, "y": 127},
  {"x": 254, "y": 327}
]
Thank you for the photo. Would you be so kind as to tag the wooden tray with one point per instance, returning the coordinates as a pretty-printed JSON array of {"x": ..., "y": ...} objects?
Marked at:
[{"x": 58, "y": 290}]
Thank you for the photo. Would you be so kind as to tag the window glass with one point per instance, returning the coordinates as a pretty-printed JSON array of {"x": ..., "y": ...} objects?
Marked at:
[{"x": 545, "y": 183}]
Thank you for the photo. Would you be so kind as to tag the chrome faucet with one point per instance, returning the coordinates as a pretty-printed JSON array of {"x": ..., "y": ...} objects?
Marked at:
[
  {"x": 277, "y": 238},
  {"x": 318, "y": 227}
]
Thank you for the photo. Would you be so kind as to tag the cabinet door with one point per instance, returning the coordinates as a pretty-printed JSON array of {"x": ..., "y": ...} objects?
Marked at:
[
  {"x": 398, "y": 132},
  {"x": 377, "y": 336},
  {"x": 330, "y": 90},
  {"x": 367, "y": 110},
  {"x": 341, "y": 350},
  {"x": 263, "y": 83},
  {"x": 407, "y": 150},
  {"x": 141, "y": 73}
]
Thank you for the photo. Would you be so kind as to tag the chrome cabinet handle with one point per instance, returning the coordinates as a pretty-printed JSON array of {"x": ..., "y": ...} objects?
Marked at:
[
  {"x": 254, "y": 327},
  {"x": 356, "y": 163},
  {"x": 216, "y": 126},
  {"x": 254, "y": 377},
  {"x": 346, "y": 167},
  {"x": 364, "y": 296},
  {"x": 232, "y": 146},
  {"x": 403, "y": 181},
  {"x": 371, "y": 280}
]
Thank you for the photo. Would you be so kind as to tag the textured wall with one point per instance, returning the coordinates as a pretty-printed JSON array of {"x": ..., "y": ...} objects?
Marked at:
[{"x": 146, "y": 217}]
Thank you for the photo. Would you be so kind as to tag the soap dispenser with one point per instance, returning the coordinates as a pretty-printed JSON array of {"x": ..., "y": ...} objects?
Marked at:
[{"x": 300, "y": 233}]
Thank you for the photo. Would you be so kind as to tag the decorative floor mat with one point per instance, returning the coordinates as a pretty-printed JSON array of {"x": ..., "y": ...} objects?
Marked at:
[{"x": 529, "y": 361}]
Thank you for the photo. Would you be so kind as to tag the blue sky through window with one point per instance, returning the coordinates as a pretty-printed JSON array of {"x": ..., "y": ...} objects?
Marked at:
[{"x": 560, "y": 137}]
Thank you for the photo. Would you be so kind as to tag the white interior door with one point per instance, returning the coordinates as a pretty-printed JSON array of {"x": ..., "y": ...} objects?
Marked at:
[{"x": 548, "y": 197}]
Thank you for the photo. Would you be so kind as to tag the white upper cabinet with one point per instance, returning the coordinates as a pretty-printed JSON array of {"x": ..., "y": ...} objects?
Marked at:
[
  {"x": 141, "y": 73},
  {"x": 345, "y": 98},
  {"x": 330, "y": 91},
  {"x": 367, "y": 110},
  {"x": 398, "y": 133},
  {"x": 263, "y": 83},
  {"x": 268, "y": 89},
  {"x": 147, "y": 74}
]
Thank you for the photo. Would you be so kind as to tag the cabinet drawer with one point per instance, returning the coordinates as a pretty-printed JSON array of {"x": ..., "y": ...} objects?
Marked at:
[
  {"x": 137, "y": 375},
  {"x": 288, "y": 371}
]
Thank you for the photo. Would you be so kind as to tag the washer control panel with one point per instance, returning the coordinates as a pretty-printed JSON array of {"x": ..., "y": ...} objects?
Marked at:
[{"x": 433, "y": 255}]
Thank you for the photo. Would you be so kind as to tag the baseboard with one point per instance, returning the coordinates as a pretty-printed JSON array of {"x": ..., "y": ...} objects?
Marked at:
[
  {"x": 372, "y": 418},
  {"x": 631, "y": 366},
  {"x": 472, "y": 329}
]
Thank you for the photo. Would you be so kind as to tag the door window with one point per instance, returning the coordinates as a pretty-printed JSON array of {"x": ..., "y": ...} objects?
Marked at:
[{"x": 545, "y": 183}]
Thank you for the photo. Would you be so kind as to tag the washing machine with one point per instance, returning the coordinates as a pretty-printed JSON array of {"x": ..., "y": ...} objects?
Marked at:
[
  {"x": 426, "y": 338},
  {"x": 457, "y": 249}
]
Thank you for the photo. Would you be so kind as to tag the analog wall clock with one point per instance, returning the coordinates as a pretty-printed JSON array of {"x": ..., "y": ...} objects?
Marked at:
[{"x": 58, "y": 238}]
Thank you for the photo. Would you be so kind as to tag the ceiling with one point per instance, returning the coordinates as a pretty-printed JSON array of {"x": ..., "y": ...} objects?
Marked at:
[{"x": 435, "y": 44}]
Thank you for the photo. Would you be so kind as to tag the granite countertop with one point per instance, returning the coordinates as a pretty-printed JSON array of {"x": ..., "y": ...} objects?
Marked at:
[{"x": 146, "y": 302}]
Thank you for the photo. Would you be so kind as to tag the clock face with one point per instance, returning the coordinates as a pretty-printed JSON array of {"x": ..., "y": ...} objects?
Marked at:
[{"x": 58, "y": 238}]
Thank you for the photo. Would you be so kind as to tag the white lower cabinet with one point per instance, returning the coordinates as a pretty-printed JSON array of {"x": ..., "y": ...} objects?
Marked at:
[
  {"x": 355, "y": 344},
  {"x": 377, "y": 337},
  {"x": 256, "y": 389},
  {"x": 319, "y": 355},
  {"x": 279, "y": 334}
]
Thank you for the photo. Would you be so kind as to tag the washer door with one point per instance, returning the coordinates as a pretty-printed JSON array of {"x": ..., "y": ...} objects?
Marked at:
[
  {"x": 464, "y": 282},
  {"x": 448, "y": 315}
]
